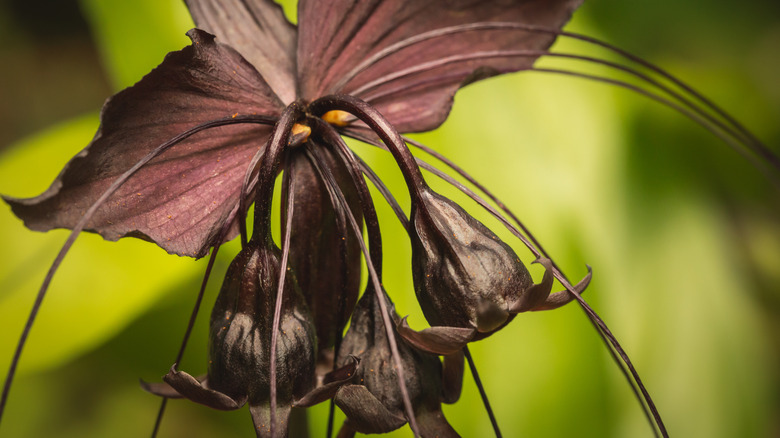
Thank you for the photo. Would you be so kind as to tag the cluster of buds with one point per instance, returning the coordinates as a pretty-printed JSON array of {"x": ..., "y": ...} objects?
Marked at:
[{"x": 469, "y": 284}]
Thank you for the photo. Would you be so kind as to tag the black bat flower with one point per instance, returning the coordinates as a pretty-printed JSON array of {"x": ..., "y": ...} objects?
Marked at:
[
  {"x": 175, "y": 160},
  {"x": 180, "y": 156},
  {"x": 213, "y": 105}
]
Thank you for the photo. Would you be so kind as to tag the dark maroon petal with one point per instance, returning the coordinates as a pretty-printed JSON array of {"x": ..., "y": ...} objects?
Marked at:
[
  {"x": 331, "y": 383},
  {"x": 437, "y": 340},
  {"x": 259, "y": 31},
  {"x": 563, "y": 297},
  {"x": 536, "y": 294},
  {"x": 189, "y": 387},
  {"x": 181, "y": 198},
  {"x": 337, "y": 36},
  {"x": 161, "y": 389},
  {"x": 365, "y": 412}
]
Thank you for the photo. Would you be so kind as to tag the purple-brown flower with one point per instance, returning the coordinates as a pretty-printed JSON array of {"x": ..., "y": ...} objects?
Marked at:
[
  {"x": 181, "y": 154},
  {"x": 179, "y": 157}
]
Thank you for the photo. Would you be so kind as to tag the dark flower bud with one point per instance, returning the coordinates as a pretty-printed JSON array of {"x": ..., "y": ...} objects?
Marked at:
[
  {"x": 463, "y": 273},
  {"x": 465, "y": 277},
  {"x": 373, "y": 403},
  {"x": 240, "y": 340},
  {"x": 241, "y": 326}
]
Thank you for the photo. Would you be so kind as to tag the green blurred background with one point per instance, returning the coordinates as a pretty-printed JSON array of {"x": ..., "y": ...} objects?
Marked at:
[{"x": 682, "y": 233}]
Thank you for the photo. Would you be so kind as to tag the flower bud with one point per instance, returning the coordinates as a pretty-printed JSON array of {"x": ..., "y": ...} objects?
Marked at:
[
  {"x": 240, "y": 344},
  {"x": 464, "y": 275},
  {"x": 241, "y": 327},
  {"x": 373, "y": 403}
]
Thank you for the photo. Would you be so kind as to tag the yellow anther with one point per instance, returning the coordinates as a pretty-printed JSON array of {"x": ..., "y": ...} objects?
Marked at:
[
  {"x": 299, "y": 134},
  {"x": 301, "y": 129},
  {"x": 337, "y": 117}
]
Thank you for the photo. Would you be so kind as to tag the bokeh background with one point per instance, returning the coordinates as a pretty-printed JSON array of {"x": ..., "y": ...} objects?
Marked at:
[{"x": 682, "y": 233}]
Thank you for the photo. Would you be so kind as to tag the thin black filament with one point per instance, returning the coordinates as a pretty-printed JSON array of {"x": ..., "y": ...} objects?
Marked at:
[
  {"x": 482, "y": 393},
  {"x": 364, "y": 196},
  {"x": 756, "y": 144},
  {"x": 190, "y": 325},
  {"x": 738, "y": 135},
  {"x": 714, "y": 129},
  {"x": 695, "y": 113},
  {"x": 280, "y": 291},
  {"x": 262, "y": 229}
]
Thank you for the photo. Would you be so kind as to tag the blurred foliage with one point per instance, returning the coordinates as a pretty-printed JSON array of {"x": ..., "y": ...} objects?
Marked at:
[{"x": 682, "y": 233}]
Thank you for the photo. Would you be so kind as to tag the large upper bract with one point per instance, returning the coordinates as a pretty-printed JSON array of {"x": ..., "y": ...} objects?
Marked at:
[{"x": 405, "y": 57}]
